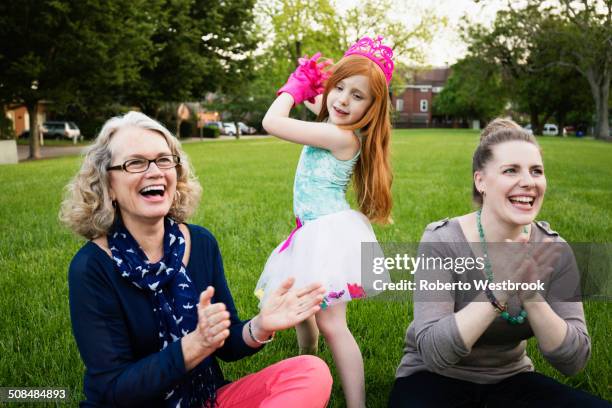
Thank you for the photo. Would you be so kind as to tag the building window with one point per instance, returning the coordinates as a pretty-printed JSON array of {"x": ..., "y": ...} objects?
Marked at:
[
  {"x": 399, "y": 105},
  {"x": 423, "y": 105}
]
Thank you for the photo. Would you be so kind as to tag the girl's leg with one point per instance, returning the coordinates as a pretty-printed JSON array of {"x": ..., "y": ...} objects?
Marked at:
[
  {"x": 298, "y": 382},
  {"x": 346, "y": 353},
  {"x": 308, "y": 336}
]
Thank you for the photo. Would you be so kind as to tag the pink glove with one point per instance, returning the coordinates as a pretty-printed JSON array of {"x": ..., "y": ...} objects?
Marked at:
[{"x": 307, "y": 81}]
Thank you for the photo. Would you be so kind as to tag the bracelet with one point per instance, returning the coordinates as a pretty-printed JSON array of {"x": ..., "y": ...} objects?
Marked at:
[
  {"x": 255, "y": 339},
  {"x": 498, "y": 306}
]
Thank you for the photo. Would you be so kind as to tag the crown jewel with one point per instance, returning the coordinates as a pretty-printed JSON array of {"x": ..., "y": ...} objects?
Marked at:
[{"x": 377, "y": 52}]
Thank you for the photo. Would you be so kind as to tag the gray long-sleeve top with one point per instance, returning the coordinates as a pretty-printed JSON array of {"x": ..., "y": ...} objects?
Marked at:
[{"x": 433, "y": 342}]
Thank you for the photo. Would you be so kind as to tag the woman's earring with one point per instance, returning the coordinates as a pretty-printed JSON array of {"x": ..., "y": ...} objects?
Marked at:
[
  {"x": 114, "y": 203},
  {"x": 177, "y": 196},
  {"x": 482, "y": 193}
]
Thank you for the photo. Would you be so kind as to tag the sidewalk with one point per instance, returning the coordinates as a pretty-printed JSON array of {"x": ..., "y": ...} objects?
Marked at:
[
  {"x": 61, "y": 151},
  {"x": 47, "y": 152}
]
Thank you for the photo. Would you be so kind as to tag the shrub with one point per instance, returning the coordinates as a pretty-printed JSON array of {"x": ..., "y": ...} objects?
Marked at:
[
  {"x": 211, "y": 131},
  {"x": 6, "y": 128}
]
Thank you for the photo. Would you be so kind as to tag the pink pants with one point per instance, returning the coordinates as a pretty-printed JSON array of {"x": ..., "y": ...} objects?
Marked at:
[{"x": 303, "y": 381}]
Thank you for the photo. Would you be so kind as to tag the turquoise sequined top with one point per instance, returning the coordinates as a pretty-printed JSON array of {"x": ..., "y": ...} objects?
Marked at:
[{"x": 320, "y": 183}]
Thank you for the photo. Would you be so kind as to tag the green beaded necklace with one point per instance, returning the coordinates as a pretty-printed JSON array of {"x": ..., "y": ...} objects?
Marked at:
[{"x": 503, "y": 309}]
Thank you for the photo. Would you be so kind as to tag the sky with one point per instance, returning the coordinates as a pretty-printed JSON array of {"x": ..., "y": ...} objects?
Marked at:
[{"x": 447, "y": 46}]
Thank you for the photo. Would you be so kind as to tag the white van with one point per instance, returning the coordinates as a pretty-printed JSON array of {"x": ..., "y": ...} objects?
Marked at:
[
  {"x": 550, "y": 129},
  {"x": 61, "y": 130}
]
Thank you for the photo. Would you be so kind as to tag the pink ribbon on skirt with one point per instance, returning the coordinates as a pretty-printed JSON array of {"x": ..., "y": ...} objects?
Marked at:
[{"x": 287, "y": 242}]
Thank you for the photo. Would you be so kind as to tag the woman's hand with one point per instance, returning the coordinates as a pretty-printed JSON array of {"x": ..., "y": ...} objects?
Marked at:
[
  {"x": 544, "y": 255},
  {"x": 213, "y": 321},
  {"x": 522, "y": 262},
  {"x": 287, "y": 307},
  {"x": 210, "y": 332}
]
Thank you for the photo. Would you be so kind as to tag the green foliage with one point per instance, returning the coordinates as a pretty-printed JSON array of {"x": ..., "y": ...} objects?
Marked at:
[
  {"x": 198, "y": 47},
  {"x": 247, "y": 206},
  {"x": 72, "y": 52},
  {"x": 210, "y": 131},
  {"x": 473, "y": 91},
  {"x": 77, "y": 54},
  {"x": 92, "y": 57},
  {"x": 538, "y": 44},
  {"x": 297, "y": 27},
  {"x": 377, "y": 17},
  {"x": 6, "y": 128}
]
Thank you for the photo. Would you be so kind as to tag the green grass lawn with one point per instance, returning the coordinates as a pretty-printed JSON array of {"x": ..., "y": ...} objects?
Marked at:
[{"x": 247, "y": 205}]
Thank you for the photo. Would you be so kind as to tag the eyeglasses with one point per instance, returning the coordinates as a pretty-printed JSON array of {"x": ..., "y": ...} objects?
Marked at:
[{"x": 165, "y": 162}]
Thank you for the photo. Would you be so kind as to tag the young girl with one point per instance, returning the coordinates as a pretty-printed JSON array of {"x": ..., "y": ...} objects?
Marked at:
[{"x": 350, "y": 138}]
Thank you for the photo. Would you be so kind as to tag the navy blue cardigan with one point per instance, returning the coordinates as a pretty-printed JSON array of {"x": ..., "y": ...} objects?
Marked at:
[{"x": 117, "y": 336}]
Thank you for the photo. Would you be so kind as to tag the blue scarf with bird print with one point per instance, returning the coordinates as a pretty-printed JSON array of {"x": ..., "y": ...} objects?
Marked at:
[{"x": 174, "y": 299}]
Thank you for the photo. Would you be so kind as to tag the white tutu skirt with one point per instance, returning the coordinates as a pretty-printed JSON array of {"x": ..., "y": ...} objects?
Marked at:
[{"x": 327, "y": 250}]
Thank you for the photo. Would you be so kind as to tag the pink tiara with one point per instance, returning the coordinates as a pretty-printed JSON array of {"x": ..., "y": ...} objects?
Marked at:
[{"x": 377, "y": 52}]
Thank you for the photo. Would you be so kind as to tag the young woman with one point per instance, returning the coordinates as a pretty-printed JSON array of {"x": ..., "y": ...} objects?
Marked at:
[{"x": 465, "y": 348}]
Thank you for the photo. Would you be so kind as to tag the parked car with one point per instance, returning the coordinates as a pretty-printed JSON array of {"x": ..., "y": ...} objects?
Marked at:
[
  {"x": 230, "y": 128},
  {"x": 549, "y": 129},
  {"x": 218, "y": 125},
  {"x": 61, "y": 130},
  {"x": 246, "y": 130}
]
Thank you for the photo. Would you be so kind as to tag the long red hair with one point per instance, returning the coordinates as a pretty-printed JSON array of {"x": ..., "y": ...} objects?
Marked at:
[{"x": 372, "y": 177}]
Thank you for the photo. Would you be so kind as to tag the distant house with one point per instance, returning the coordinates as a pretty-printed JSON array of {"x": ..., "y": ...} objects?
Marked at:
[
  {"x": 18, "y": 114},
  {"x": 191, "y": 117},
  {"x": 413, "y": 103}
]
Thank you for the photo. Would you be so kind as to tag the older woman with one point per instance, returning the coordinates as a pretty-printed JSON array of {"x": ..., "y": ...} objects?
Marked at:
[
  {"x": 465, "y": 348},
  {"x": 151, "y": 309}
]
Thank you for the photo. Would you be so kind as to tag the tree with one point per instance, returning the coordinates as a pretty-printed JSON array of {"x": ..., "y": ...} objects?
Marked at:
[
  {"x": 199, "y": 47},
  {"x": 473, "y": 91},
  {"x": 541, "y": 35},
  {"x": 376, "y": 17},
  {"x": 583, "y": 36},
  {"x": 71, "y": 52},
  {"x": 293, "y": 28}
]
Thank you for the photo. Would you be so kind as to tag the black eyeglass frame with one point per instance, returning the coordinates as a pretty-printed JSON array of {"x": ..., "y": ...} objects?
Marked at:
[{"x": 175, "y": 159}]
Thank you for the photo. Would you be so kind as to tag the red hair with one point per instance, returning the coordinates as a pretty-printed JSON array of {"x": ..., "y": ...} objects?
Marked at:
[{"x": 372, "y": 177}]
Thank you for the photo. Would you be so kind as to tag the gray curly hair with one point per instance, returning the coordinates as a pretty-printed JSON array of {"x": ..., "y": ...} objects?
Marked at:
[{"x": 87, "y": 208}]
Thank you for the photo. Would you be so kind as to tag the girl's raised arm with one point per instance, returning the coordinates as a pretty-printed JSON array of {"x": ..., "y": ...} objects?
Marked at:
[
  {"x": 316, "y": 106},
  {"x": 324, "y": 135}
]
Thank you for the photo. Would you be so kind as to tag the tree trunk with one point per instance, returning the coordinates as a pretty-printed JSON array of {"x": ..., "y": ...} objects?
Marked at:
[
  {"x": 536, "y": 127},
  {"x": 237, "y": 130},
  {"x": 561, "y": 122},
  {"x": 600, "y": 88},
  {"x": 602, "y": 124},
  {"x": 32, "y": 108},
  {"x": 298, "y": 53}
]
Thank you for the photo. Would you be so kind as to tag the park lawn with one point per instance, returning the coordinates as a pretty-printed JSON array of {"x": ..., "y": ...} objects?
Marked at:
[{"x": 246, "y": 203}]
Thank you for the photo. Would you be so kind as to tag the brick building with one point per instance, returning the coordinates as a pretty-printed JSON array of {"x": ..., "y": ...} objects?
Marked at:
[{"x": 413, "y": 103}]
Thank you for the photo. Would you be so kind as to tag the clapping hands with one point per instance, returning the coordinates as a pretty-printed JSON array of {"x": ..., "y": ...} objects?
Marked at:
[
  {"x": 287, "y": 307},
  {"x": 213, "y": 321},
  {"x": 521, "y": 261}
]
